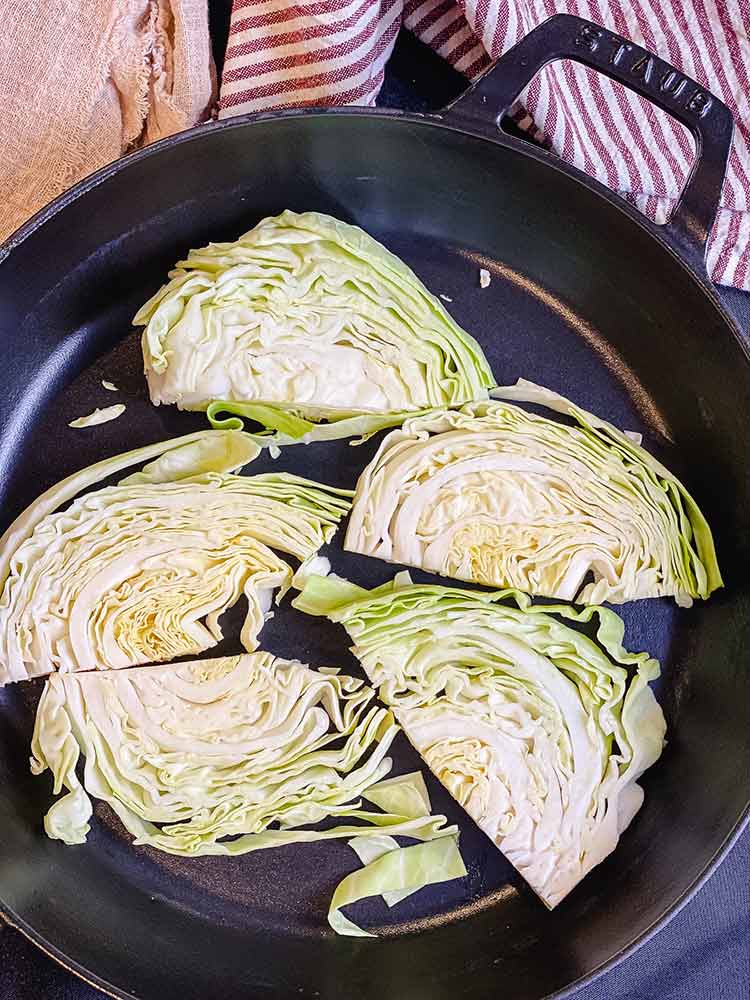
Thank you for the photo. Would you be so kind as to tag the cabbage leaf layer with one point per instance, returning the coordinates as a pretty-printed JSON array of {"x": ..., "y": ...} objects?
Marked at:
[
  {"x": 141, "y": 572},
  {"x": 495, "y": 494}
]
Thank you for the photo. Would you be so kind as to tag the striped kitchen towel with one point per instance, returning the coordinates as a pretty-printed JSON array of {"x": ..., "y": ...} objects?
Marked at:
[{"x": 332, "y": 52}]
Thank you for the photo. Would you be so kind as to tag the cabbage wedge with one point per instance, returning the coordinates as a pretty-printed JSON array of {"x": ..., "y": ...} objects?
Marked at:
[
  {"x": 221, "y": 756},
  {"x": 495, "y": 494},
  {"x": 305, "y": 317},
  {"x": 142, "y": 571},
  {"x": 539, "y": 732}
]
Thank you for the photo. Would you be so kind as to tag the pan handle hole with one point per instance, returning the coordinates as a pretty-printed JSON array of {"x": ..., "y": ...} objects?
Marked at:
[{"x": 608, "y": 132}]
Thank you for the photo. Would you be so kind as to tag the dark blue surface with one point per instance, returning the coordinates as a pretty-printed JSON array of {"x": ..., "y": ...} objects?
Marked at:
[{"x": 704, "y": 953}]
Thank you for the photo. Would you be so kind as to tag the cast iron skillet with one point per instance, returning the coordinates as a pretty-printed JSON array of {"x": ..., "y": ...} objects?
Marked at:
[{"x": 588, "y": 298}]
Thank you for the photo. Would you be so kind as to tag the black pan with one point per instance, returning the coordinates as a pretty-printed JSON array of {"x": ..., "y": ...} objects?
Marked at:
[{"x": 586, "y": 297}]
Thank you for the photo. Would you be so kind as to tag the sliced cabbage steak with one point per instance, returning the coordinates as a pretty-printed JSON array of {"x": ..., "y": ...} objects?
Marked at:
[
  {"x": 221, "y": 756},
  {"x": 142, "y": 571},
  {"x": 538, "y": 731},
  {"x": 308, "y": 314},
  {"x": 493, "y": 493}
]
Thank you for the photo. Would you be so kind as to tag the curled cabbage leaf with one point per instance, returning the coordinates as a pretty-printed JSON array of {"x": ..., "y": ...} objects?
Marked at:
[
  {"x": 280, "y": 426},
  {"x": 309, "y": 313},
  {"x": 494, "y": 494},
  {"x": 539, "y": 732},
  {"x": 248, "y": 747},
  {"x": 407, "y": 870},
  {"x": 394, "y": 874},
  {"x": 142, "y": 571}
]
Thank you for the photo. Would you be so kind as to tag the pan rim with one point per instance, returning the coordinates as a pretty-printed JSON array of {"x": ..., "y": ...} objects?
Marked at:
[
  {"x": 694, "y": 269},
  {"x": 13, "y": 921}
]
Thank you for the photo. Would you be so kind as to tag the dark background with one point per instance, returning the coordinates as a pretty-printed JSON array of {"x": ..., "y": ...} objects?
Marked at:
[{"x": 704, "y": 952}]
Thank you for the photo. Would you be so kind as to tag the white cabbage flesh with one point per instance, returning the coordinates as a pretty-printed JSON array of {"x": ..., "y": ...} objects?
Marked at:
[
  {"x": 142, "y": 571},
  {"x": 309, "y": 312},
  {"x": 539, "y": 732},
  {"x": 167, "y": 461},
  {"x": 98, "y": 416},
  {"x": 248, "y": 747},
  {"x": 494, "y": 494}
]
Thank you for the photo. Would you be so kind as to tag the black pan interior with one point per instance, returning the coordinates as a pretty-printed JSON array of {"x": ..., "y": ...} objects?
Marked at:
[{"x": 582, "y": 299}]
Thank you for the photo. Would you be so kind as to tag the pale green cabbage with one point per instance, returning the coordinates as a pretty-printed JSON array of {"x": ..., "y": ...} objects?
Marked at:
[
  {"x": 177, "y": 458},
  {"x": 142, "y": 571},
  {"x": 305, "y": 313},
  {"x": 248, "y": 747},
  {"x": 280, "y": 426},
  {"x": 538, "y": 731},
  {"x": 495, "y": 494},
  {"x": 369, "y": 849},
  {"x": 396, "y": 874},
  {"x": 407, "y": 870}
]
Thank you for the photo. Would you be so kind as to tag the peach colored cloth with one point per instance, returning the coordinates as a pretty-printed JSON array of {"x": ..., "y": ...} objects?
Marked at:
[{"x": 81, "y": 83}]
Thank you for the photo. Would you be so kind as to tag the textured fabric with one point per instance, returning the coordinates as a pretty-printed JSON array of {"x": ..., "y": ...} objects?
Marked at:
[
  {"x": 282, "y": 55},
  {"x": 84, "y": 82},
  {"x": 332, "y": 52},
  {"x": 702, "y": 954}
]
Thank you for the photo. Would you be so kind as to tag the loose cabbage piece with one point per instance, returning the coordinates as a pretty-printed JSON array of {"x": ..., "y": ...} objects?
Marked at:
[
  {"x": 494, "y": 494},
  {"x": 247, "y": 747},
  {"x": 405, "y": 795},
  {"x": 396, "y": 874},
  {"x": 281, "y": 426},
  {"x": 99, "y": 416},
  {"x": 308, "y": 313},
  {"x": 142, "y": 571},
  {"x": 538, "y": 731}
]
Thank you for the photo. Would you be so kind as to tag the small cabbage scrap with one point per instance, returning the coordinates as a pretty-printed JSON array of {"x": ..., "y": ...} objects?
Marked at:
[
  {"x": 142, "y": 571},
  {"x": 495, "y": 494},
  {"x": 99, "y": 416},
  {"x": 539, "y": 732},
  {"x": 406, "y": 795},
  {"x": 309, "y": 313},
  {"x": 248, "y": 747}
]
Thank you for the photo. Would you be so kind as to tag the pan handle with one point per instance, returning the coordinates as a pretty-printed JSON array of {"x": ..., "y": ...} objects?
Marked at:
[{"x": 567, "y": 37}]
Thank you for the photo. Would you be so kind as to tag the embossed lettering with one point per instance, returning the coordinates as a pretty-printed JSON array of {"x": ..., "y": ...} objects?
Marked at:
[
  {"x": 643, "y": 67},
  {"x": 699, "y": 103},
  {"x": 622, "y": 49},
  {"x": 588, "y": 38},
  {"x": 672, "y": 83}
]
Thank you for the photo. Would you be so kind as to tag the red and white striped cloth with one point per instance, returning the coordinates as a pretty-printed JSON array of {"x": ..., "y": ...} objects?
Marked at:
[{"x": 332, "y": 52}]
